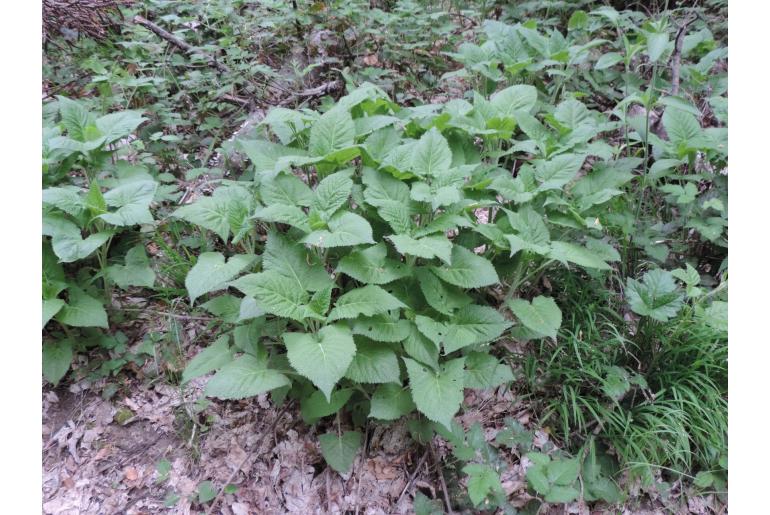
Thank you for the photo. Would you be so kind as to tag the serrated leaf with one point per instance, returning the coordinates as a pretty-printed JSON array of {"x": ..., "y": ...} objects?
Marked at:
[
  {"x": 50, "y": 308},
  {"x": 467, "y": 270},
  {"x": 715, "y": 315},
  {"x": 682, "y": 128},
  {"x": 608, "y": 60},
  {"x": 372, "y": 266},
  {"x": 331, "y": 194},
  {"x": 65, "y": 198},
  {"x": 316, "y": 406},
  {"x": 398, "y": 216},
  {"x": 368, "y": 300},
  {"x": 558, "y": 171},
  {"x": 136, "y": 271},
  {"x": 437, "y": 394},
  {"x": 688, "y": 275},
  {"x": 345, "y": 229},
  {"x": 382, "y": 328},
  {"x": 563, "y": 472},
  {"x": 211, "y": 272},
  {"x": 340, "y": 451},
  {"x": 382, "y": 188},
  {"x": 537, "y": 479},
  {"x": 656, "y": 296},
  {"x": 656, "y": 44},
  {"x": 133, "y": 202},
  {"x": 82, "y": 310},
  {"x": 333, "y": 131},
  {"x": 323, "y": 357},
  {"x": 286, "y": 189},
  {"x": 542, "y": 315},
  {"x": 211, "y": 213},
  {"x": 115, "y": 126},
  {"x": 292, "y": 260},
  {"x": 68, "y": 244},
  {"x": 431, "y": 156},
  {"x": 471, "y": 325},
  {"x": 440, "y": 296},
  {"x": 483, "y": 480},
  {"x": 521, "y": 97},
  {"x": 226, "y": 307},
  {"x": 57, "y": 358},
  {"x": 390, "y": 402},
  {"x": 374, "y": 363},
  {"x": 569, "y": 252},
  {"x": 269, "y": 158},
  {"x": 426, "y": 247},
  {"x": 561, "y": 494},
  {"x": 247, "y": 376},
  {"x": 422, "y": 349},
  {"x": 209, "y": 359},
  {"x": 484, "y": 371},
  {"x": 74, "y": 117},
  {"x": 276, "y": 294},
  {"x": 281, "y": 213}
]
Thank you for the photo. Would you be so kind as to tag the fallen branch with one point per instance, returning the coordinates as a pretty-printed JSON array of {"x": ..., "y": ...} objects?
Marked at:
[
  {"x": 444, "y": 489},
  {"x": 183, "y": 45},
  {"x": 676, "y": 56},
  {"x": 411, "y": 479}
]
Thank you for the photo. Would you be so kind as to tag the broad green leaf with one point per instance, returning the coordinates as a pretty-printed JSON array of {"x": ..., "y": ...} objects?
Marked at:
[
  {"x": 382, "y": 328},
  {"x": 473, "y": 324},
  {"x": 431, "y": 156},
  {"x": 390, "y": 402},
  {"x": 426, "y": 247},
  {"x": 608, "y": 60},
  {"x": 542, "y": 315},
  {"x": 382, "y": 188},
  {"x": 656, "y": 296},
  {"x": 569, "y": 252},
  {"x": 331, "y": 194},
  {"x": 286, "y": 189},
  {"x": 115, "y": 126},
  {"x": 57, "y": 358},
  {"x": 422, "y": 349},
  {"x": 537, "y": 479},
  {"x": 65, "y": 198},
  {"x": 521, "y": 97},
  {"x": 50, "y": 308},
  {"x": 372, "y": 266},
  {"x": 688, "y": 275},
  {"x": 340, "y": 451},
  {"x": 368, "y": 300},
  {"x": 133, "y": 202},
  {"x": 212, "y": 213},
  {"x": 437, "y": 394},
  {"x": 269, "y": 158},
  {"x": 209, "y": 359},
  {"x": 561, "y": 494},
  {"x": 345, "y": 229},
  {"x": 276, "y": 294},
  {"x": 333, "y": 131},
  {"x": 484, "y": 371},
  {"x": 247, "y": 376},
  {"x": 558, "y": 171},
  {"x": 212, "y": 273},
  {"x": 74, "y": 117},
  {"x": 563, "y": 472},
  {"x": 316, "y": 406},
  {"x": 292, "y": 260},
  {"x": 323, "y": 357},
  {"x": 82, "y": 310},
  {"x": 467, "y": 270},
  {"x": 374, "y": 363},
  {"x": 482, "y": 481},
  {"x": 715, "y": 315},
  {"x": 136, "y": 271},
  {"x": 398, "y": 216},
  {"x": 206, "y": 492},
  {"x": 656, "y": 45},
  {"x": 682, "y": 128},
  {"x": 66, "y": 241},
  {"x": 440, "y": 296},
  {"x": 226, "y": 307},
  {"x": 281, "y": 213},
  {"x": 321, "y": 300}
]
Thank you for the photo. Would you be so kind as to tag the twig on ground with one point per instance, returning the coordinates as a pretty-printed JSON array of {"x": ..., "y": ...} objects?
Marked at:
[
  {"x": 412, "y": 477},
  {"x": 676, "y": 56},
  {"x": 164, "y": 34},
  {"x": 166, "y": 313},
  {"x": 441, "y": 479},
  {"x": 268, "y": 431},
  {"x": 361, "y": 468}
]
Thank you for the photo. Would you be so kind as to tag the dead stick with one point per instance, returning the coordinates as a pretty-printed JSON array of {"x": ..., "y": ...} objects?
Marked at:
[
  {"x": 441, "y": 478},
  {"x": 676, "y": 57},
  {"x": 187, "y": 47},
  {"x": 411, "y": 478},
  {"x": 243, "y": 461},
  {"x": 361, "y": 468}
]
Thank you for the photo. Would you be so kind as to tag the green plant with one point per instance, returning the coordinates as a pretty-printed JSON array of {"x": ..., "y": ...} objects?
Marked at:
[{"x": 81, "y": 221}]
